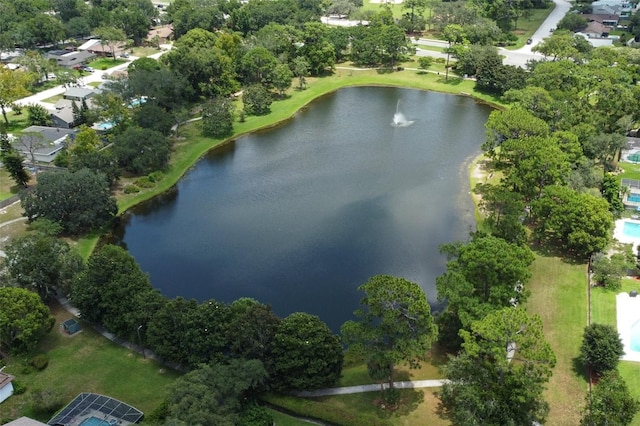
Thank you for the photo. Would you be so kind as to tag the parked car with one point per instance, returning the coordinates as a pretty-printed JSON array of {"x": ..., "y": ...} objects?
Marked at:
[
  {"x": 529, "y": 41},
  {"x": 88, "y": 69},
  {"x": 124, "y": 55}
]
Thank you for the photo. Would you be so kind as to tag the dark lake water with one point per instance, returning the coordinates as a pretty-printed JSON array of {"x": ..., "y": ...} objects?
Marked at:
[{"x": 301, "y": 215}]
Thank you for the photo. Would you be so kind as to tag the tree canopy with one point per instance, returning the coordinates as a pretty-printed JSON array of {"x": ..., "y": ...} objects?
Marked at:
[
  {"x": 24, "y": 319},
  {"x": 500, "y": 375},
  {"x": 395, "y": 323},
  {"x": 78, "y": 201},
  {"x": 601, "y": 347}
]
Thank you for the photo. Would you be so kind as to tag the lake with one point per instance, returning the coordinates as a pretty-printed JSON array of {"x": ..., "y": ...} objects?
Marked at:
[{"x": 300, "y": 215}]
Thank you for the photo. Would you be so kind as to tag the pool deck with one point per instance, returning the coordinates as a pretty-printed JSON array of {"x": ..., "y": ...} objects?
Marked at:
[
  {"x": 618, "y": 233},
  {"x": 628, "y": 313}
]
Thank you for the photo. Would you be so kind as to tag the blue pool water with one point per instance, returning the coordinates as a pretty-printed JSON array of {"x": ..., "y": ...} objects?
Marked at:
[
  {"x": 137, "y": 102},
  {"x": 93, "y": 421},
  {"x": 634, "y": 197},
  {"x": 105, "y": 125},
  {"x": 631, "y": 229},
  {"x": 635, "y": 337}
]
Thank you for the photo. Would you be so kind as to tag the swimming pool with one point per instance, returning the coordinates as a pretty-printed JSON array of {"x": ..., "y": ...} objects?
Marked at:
[
  {"x": 94, "y": 421},
  {"x": 631, "y": 229},
  {"x": 635, "y": 337},
  {"x": 634, "y": 198},
  {"x": 105, "y": 125}
]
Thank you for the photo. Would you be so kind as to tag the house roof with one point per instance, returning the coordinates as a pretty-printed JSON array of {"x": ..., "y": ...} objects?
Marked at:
[
  {"x": 25, "y": 421},
  {"x": 51, "y": 136},
  {"x": 5, "y": 379},
  {"x": 79, "y": 92},
  {"x": 89, "y": 43},
  {"x": 163, "y": 31},
  {"x": 64, "y": 109},
  {"x": 595, "y": 27},
  {"x": 601, "y": 17}
]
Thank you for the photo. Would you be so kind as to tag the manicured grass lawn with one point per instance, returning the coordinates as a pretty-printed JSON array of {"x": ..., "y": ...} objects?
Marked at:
[
  {"x": 142, "y": 52},
  {"x": 105, "y": 63},
  {"x": 559, "y": 297},
  {"x": 17, "y": 123},
  {"x": 87, "y": 362},
  {"x": 281, "y": 419},
  {"x": 54, "y": 99},
  {"x": 630, "y": 171}
]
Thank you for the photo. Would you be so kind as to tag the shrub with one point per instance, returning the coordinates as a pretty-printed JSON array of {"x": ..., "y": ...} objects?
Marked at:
[
  {"x": 103, "y": 67},
  {"x": 145, "y": 182},
  {"x": 45, "y": 401},
  {"x": 601, "y": 347},
  {"x": 18, "y": 387},
  {"x": 131, "y": 189},
  {"x": 40, "y": 362},
  {"x": 156, "y": 176}
]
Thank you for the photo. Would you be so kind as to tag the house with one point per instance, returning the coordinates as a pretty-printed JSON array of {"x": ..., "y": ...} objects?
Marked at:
[
  {"x": 63, "y": 116},
  {"x": 96, "y": 47},
  {"x": 41, "y": 143},
  {"x": 621, "y": 8},
  {"x": 6, "y": 387},
  {"x": 160, "y": 35},
  {"x": 607, "y": 20},
  {"x": 25, "y": 421},
  {"x": 80, "y": 93},
  {"x": 70, "y": 59},
  {"x": 596, "y": 30}
]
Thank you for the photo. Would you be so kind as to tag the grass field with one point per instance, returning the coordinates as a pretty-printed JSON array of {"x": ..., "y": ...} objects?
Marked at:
[
  {"x": 53, "y": 99},
  {"x": 87, "y": 362},
  {"x": 105, "y": 63}
]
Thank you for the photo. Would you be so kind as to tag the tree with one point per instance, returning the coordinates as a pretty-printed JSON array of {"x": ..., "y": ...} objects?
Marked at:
[
  {"x": 24, "y": 319},
  {"x": 142, "y": 151},
  {"x": 165, "y": 334},
  {"x": 42, "y": 263},
  {"x": 482, "y": 276},
  {"x": 258, "y": 65},
  {"x": 256, "y": 99},
  {"x": 610, "y": 402},
  {"x": 414, "y": 12},
  {"x": 31, "y": 142},
  {"x": 317, "y": 50},
  {"x": 217, "y": 118},
  {"x": 601, "y": 347},
  {"x": 78, "y": 201},
  {"x": 38, "y": 115},
  {"x": 393, "y": 43},
  {"x": 395, "y": 323},
  {"x": 12, "y": 160},
  {"x": 608, "y": 271},
  {"x": 301, "y": 71},
  {"x": 110, "y": 291},
  {"x": 453, "y": 34},
  {"x": 252, "y": 327},
  {"x": 505, "y": 212},
  {"x": 578, "y": 222},
  {"x": 110, "y": 36},
  {"x": 304, "y": 354},
  {"x": 424, "y": 63},
  {"x": 13, "y": 86},
  {"x": 102, "y": 162},
  {"x": 281, "y": 78},
  {"x": 215, "y": 394},
  {"x": 499, "y": 377},
  {"x": 512, "y": 123}
]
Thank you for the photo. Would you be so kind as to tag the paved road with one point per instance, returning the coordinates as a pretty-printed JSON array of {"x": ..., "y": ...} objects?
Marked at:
[{"x": 96, "y": 75}]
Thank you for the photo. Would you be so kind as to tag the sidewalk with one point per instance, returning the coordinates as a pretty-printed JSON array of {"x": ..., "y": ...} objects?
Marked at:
[{"x": 415, "y": 384}]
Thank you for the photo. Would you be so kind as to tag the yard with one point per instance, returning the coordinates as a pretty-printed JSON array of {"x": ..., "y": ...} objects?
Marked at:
[
  {"x": 105, "y": 63},
  {"x": 86, "y": 362}
]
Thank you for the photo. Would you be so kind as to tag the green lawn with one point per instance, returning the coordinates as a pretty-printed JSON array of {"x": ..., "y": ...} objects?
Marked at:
[
  {"x": 144, "y": 51},
  {"x": 87, "y": 362},
  {"x": 559, "y": 297},
  {"x": 17, "y": 122},
  {"x": 53, "y": 99},
  {"x": 105, "y": 63}
]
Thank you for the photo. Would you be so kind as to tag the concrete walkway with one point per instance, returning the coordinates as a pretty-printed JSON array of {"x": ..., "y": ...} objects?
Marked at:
[{"x": 415, "y": 384}]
